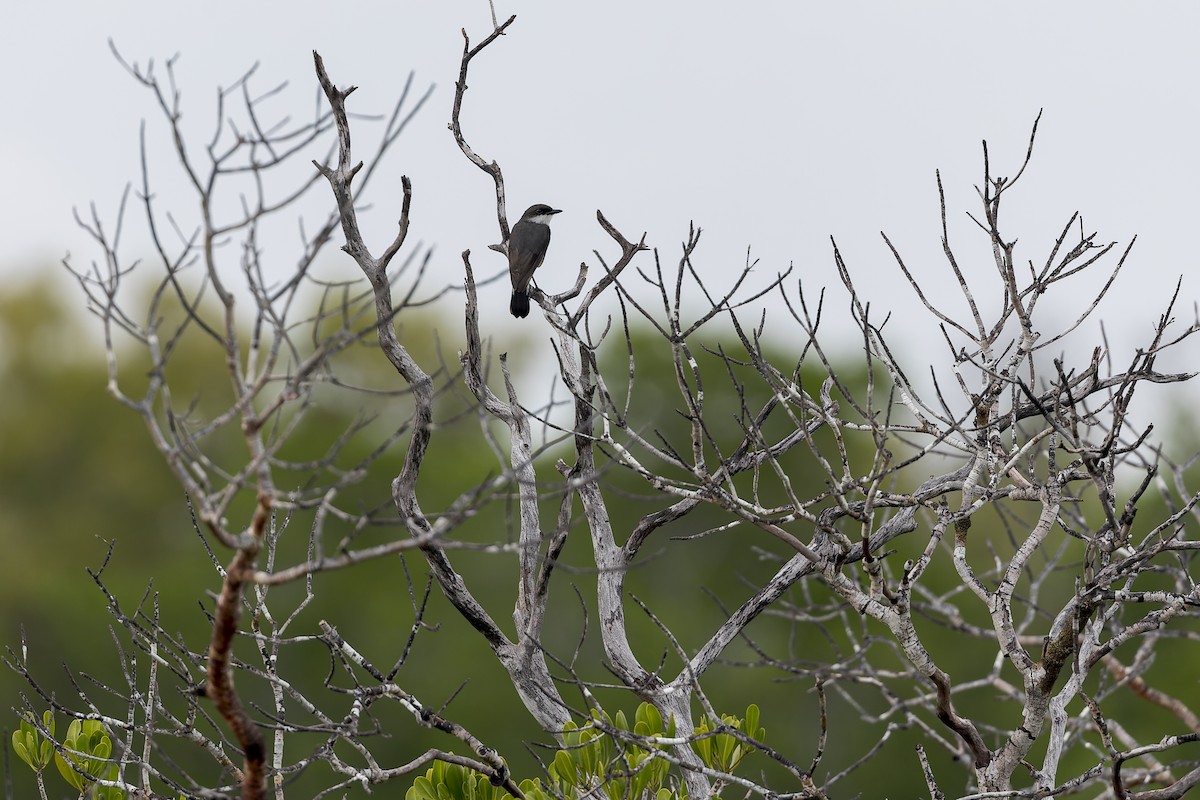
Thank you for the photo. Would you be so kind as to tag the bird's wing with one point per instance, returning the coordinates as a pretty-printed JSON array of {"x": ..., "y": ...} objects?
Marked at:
[{"x": 522, "y": 261}]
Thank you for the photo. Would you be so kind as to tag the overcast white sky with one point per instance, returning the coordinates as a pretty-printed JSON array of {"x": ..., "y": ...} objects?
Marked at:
[{"x": 773, "y": 126}]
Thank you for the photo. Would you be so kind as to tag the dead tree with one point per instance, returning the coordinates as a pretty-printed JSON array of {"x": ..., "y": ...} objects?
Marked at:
[{"x": 1078, "y": 599}]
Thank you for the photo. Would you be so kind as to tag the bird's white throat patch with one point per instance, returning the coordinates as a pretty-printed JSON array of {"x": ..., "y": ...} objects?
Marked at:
[{"x": 541, "y": 219}]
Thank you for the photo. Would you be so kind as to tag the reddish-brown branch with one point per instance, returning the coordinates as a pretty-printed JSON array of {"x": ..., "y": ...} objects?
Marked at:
[{"x": 220, "y": 687}]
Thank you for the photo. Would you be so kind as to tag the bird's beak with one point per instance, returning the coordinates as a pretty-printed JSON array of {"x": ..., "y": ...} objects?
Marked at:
[{"x": 556, "y": 211}]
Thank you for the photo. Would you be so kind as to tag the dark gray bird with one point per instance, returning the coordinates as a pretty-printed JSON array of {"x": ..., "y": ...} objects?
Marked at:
[{"x": 526, "y": 248}]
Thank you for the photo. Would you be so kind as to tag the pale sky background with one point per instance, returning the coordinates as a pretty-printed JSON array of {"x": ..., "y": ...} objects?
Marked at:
[{"x": 773, "y": 125}]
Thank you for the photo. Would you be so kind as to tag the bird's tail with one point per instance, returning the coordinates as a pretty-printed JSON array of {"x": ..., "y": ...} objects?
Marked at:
[{"x": 519, "y": 305}]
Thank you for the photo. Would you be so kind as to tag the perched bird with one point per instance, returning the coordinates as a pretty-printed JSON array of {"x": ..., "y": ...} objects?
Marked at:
[{"x": 526, "y": 248}]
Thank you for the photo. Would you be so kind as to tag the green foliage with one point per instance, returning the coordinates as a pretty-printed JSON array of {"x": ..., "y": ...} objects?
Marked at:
[
  {"x": 446, "y": 781},
  {"x": 30, "y": 745},
  {"x": 87, "y": 748},
  {"x": 592, "y": 759},
  {"x": 724, "y": 752}
]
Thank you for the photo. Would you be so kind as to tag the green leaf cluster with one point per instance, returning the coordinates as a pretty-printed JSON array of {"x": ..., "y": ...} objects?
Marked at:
[
  {"x": 723, "y": 751},
  {"x": 30, "y": 745},
  {"x": 593, "y": 761},
  {"x": 85, "y": 751},
  {"x": 446, "y": 781},
  {"x": 591, "y": 758}
]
